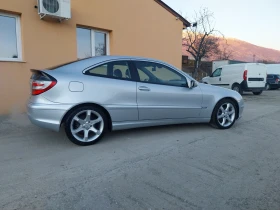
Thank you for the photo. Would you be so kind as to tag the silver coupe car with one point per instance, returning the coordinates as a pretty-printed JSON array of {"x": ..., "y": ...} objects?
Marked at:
[{"x": 92, "y": 96}]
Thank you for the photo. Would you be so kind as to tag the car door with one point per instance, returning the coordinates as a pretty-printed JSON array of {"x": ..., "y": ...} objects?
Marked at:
[
  {"x": 113, "y": 86},
  {"x": 162, "y": 93},
  {"x": 215, "y": 78}
]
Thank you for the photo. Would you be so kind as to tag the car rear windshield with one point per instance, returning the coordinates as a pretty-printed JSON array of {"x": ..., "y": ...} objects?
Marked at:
[
  {"x": 270, "y": 76},
  {"x": 64, "y": 64}
]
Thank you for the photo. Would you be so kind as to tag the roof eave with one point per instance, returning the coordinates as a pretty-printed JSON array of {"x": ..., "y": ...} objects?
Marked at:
[{"x": 172, "y": 11}]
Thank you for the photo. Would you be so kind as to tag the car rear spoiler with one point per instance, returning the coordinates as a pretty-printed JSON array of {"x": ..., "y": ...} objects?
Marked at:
[{"x": 35, "y": 70}]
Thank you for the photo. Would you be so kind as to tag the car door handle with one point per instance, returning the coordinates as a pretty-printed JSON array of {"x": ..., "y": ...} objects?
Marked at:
[{"x": 143, "y": 88}]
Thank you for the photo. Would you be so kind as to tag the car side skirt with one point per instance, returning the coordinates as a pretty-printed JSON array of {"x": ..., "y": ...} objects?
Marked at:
[{"x": 149, "y": 123}]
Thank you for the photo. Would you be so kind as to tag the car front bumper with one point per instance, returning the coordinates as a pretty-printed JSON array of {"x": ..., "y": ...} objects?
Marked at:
[{"x": 47, "y": 116}]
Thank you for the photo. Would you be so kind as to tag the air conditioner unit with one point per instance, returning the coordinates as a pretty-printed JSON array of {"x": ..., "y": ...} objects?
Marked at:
[{"x": 60, "y": 9}]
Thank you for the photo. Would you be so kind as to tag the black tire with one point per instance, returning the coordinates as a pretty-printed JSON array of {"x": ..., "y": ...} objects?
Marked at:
[
  {"x": 215, "y": 121},
  {"x": 68, "y": 124},
  {"x": 257, "y": 93},
  {"x": 236, "y": 87}
]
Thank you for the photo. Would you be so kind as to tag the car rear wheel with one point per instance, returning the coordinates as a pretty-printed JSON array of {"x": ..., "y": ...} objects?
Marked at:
[
  {"x": 237, "y": 88},
  {"x": 224, "y": 114},
  {"x": 268, "y": 87},
  {"x": 86, "y": 125},
  {"x": 257, "y": 93}
]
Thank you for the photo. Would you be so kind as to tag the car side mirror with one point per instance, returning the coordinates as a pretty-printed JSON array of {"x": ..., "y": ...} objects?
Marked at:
[{"x": 192, "y": 84}]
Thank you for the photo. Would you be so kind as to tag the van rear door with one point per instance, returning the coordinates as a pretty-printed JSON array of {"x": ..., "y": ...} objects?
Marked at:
[{"x": 256, "y": 75}]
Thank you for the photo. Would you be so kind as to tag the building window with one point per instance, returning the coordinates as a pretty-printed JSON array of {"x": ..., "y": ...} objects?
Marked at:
[
  {"x": 10, "y": 38},
  {"x": 92, "y": 43}
]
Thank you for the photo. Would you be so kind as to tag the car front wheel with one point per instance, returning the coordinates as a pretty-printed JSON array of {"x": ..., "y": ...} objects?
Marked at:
[
  {"x": 86, "y": 125},
  {"x": 224, "y": 114}
]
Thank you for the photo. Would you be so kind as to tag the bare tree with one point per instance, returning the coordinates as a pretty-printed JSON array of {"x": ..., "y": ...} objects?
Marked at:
[
  {"x": 267, "y": 61},
  {"x": 200, "y": 40},
  {"x": 225, "y": 52}
]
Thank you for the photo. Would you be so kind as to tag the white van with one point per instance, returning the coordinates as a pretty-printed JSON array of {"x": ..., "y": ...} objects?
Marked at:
[
  {"x": 245, "y": 77},
  {"x": 273, "y": 68}
]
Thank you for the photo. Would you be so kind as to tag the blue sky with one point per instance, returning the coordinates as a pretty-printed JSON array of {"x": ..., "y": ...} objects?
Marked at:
[{"x": 254, "y": 21}]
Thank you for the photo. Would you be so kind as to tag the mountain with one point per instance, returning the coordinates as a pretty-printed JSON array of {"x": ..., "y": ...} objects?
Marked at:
[{"x": 244, "y": 51}]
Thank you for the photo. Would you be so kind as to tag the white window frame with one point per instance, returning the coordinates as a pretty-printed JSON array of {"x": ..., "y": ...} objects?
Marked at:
[
  {"x": 92, "y": 35},
  {"x": 93, "y": 41},
  {"x": 18, "y": 38}
]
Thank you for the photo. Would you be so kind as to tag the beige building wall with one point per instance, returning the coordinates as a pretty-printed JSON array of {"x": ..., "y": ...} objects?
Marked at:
[{"x": 136, "y": 28}]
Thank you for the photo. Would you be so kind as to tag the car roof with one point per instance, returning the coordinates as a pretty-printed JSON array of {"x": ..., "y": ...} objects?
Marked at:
[
  {"x": 87, "y": 62},
  {"x": 243, "y": 64}
]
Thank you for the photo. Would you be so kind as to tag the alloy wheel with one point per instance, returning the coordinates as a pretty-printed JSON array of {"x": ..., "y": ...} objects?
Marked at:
[
  {"x": 87, "y": 125},
  {"x": 226, "y": 114}
]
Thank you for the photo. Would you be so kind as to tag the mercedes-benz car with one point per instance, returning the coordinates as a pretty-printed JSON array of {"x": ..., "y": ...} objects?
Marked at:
[{"x": 92, "y": 96}]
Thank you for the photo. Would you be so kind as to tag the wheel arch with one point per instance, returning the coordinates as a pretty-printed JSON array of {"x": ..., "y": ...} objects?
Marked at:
[
  {"x": 88, "y": 104},
  {"x": 233, "y": 100},
  {"x": 235, "y": 83}
]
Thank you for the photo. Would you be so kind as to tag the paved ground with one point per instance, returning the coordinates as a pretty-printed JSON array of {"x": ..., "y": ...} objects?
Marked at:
[{"x": 172, "y": 167}]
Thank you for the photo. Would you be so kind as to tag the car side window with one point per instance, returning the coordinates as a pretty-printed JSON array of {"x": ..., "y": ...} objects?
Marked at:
[
  {"x": 99, "y": 70},
  {"x": 159, "y": 74},
  {"x": 114, "y": 69},
  {"x": 142, "y": 75},
  {"x": 217, "y": 73}
]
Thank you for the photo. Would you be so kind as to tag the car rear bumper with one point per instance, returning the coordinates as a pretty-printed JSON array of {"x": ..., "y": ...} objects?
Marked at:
[
  {"x": 47, "y": 115},
  {"x": 274, "y": 85},
  {"x": 244, "y": 86}
]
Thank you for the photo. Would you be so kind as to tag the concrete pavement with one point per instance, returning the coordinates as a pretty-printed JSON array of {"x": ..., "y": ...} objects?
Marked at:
[{"x": 170, "y": 167}]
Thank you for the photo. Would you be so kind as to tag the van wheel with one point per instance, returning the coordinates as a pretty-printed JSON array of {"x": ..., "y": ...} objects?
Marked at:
[
  {"x": 86, "y": 125},
  {"x": 257, "y": 93},
  {"x": 224, "y": 114},
  {"x": 237, "y": 88}
]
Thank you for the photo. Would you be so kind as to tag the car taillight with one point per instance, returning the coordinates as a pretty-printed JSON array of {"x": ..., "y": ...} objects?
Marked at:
[
  {"x": 41, "y": 83},
  {"x": 277, "y": 80},
  {"x": 39, "y": 87},
  {"x": 245, "y": 75}
]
